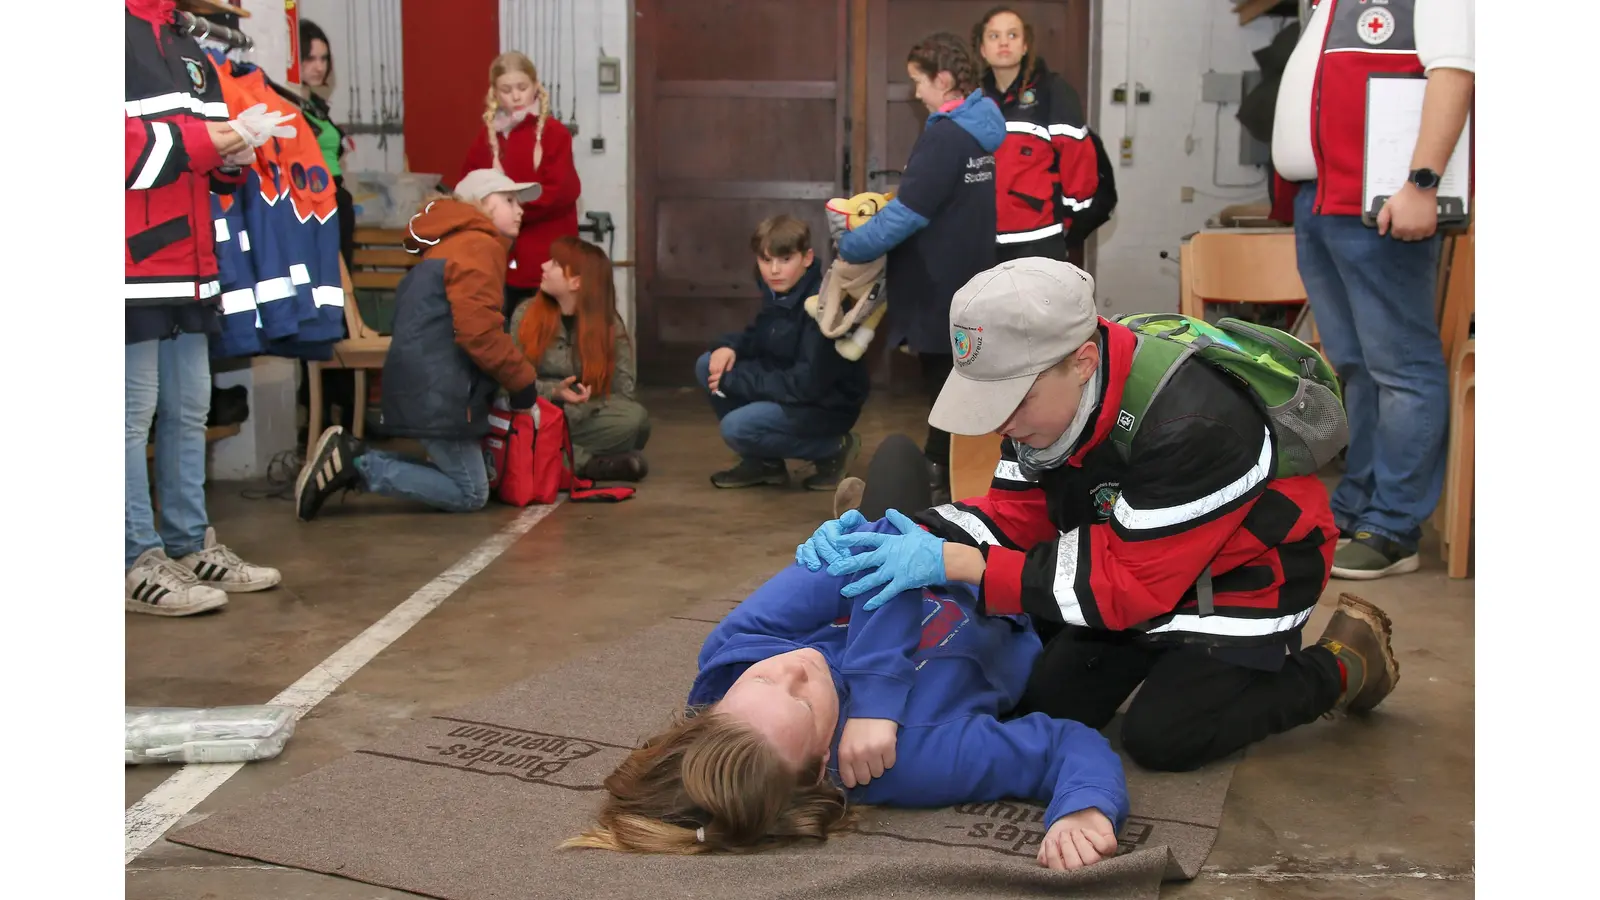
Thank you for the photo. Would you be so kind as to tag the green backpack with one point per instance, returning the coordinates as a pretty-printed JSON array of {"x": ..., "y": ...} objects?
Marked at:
[{"x": 1294, "y": 383}]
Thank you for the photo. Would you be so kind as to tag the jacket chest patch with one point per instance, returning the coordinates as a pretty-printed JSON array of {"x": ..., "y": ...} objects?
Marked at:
[
  {"x": 1375, "y": 26},
  {"x": 1104, "y": 497},
  {"x": 197, "y": 74},
  {"x": 1027, "y": 100}
]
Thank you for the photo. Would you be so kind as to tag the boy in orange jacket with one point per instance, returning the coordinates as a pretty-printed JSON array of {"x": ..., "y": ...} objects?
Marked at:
[{"x": 449, "y": 352}]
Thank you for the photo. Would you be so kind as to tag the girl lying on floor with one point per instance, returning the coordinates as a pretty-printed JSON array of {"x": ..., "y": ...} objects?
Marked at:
[{"x": 806, "y": 705}]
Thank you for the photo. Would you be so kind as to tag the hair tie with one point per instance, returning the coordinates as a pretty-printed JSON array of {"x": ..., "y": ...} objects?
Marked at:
[{"x": 700, "y": 835}]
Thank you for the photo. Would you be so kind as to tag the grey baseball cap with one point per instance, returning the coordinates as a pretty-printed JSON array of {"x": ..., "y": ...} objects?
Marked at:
[
  {"x": 480, "y": 183},
  {"x": 1007, "y": 325}
]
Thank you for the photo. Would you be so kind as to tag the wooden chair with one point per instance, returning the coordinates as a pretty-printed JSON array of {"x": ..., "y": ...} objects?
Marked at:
[
  {"x": 363, "y": 350},
  {"x": 1454, "y": 515},
  {"x": 1246, "y": 265},
  {"x": 972, "y": 462},
  {"x": 1455, "y": 538}
]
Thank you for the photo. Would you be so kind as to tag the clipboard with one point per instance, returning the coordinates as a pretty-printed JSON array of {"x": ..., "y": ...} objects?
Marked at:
[{"x": 1394, "y": 119}]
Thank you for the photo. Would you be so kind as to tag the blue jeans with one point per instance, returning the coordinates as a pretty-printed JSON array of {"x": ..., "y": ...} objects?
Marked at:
[
  {"x": 1373, "y": 298},
  {"x": 762, "y": 429},
  {"x": 170, "y": 381},
  {"x": 454, "y": 479}
]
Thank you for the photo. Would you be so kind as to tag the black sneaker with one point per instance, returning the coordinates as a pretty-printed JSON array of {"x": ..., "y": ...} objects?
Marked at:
[
  {"x": 835, "y": 467},
  {"x": 752, "y": 472},
  {"x": 330, "y": 470},
  {"x": 630, "y": 466},
  {"x": 1369, "y": 556}
]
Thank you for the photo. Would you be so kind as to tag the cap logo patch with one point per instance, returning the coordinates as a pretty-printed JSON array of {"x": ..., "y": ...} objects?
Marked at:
[{"x": 966, "y": 342}]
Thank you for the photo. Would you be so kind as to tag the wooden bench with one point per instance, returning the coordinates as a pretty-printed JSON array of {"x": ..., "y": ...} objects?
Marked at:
[
  {"x": 1242, "y": 265},
  {"x": 364, "y": 349},
  {"x": 380, "y": 259}
]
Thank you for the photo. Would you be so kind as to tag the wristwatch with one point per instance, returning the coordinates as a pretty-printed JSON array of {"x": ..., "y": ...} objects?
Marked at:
[{"x": 1426, "y": 179}]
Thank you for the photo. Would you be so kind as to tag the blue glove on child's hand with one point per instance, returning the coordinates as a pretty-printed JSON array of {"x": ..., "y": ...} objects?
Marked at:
[
  {"x": 822, "y": 546},
  {"x": 906, "y": 561}
]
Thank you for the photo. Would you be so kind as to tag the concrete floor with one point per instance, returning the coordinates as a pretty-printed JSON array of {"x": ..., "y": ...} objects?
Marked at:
[{"x": 1381, "y": 807}]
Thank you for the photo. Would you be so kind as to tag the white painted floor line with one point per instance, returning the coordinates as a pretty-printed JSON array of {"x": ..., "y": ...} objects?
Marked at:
[{"x": 149, "y": 818}]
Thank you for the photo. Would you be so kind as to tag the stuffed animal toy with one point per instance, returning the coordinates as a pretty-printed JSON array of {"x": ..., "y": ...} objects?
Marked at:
[{"x": 851, "y": 303}]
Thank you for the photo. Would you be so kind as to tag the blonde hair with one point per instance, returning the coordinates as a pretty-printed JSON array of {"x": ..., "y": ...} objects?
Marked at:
[
  {"x": 711, "y": 783},
  {"x": 513, "y": 61}
]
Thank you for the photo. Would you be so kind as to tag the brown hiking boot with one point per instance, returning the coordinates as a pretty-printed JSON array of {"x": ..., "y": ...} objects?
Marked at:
[
  {"x": 630, "y": 466},
  {"x": 1358, "y": 636},
  {"x": 847, "y": 495}
]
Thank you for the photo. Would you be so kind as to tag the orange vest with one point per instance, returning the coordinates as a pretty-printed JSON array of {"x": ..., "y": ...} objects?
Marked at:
[{"x": 294, "y": 165}]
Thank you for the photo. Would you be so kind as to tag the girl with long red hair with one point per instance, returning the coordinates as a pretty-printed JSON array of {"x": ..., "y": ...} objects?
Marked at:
[{"x": 571, "y": 331}]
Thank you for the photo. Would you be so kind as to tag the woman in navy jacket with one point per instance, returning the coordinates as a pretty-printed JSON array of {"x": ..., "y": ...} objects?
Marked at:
[
  {"x": 805, "y": 702},
  {"x": 939, "y": 229}
]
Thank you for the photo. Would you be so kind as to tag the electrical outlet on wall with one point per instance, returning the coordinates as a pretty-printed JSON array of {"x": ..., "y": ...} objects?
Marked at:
[
  {"x": 1127, "y": 151},
  {"x": 1186, "y": 194},
  {"x": 597, "y": 144}
]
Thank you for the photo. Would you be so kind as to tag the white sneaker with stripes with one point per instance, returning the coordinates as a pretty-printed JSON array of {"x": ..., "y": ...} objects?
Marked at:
[
  {"x": 158, "y": 586},
  {"x": 221, "y": 568}
]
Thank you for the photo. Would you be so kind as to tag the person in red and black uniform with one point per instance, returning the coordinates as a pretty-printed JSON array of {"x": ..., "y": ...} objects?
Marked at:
[
  {"x": 1186, "y": 566},
  {"x": 180, "y": 147},
  {"x": 1047, "y": 172}
]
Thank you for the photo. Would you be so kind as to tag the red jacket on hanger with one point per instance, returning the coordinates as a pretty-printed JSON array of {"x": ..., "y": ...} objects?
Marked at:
[{"x": 555, "y": 213}]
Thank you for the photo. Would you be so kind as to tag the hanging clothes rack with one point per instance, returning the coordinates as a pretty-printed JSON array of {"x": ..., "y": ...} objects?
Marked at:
[{"x": 204, "y": 29}]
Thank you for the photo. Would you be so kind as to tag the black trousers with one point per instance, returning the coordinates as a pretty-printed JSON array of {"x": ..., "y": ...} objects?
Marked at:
[
  {"x": 935, "y": 369},
  {"x": 347, "y": 221},
  {"x": 1193, "y": 708}
]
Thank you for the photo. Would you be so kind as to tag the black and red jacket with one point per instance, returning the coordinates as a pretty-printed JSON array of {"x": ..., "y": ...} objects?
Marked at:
[
  {"x": 1047, "y": 169},
  {"x": 171, "y": 165},
  {"x": 1119, "y": 545},
  {"x": 1339, "y": 99}
]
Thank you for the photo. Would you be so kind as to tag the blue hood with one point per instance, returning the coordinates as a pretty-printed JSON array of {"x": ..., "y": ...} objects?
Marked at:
[{"x": 979, "y": 117}]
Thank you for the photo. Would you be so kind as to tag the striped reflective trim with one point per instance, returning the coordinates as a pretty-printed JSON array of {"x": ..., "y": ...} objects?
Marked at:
[
  {"x": 1038, "y": 131},
  {"x": 1139, "y": 519},
  {"x": 967, "y": 522},
  {"x": 164, "y": 290},
  {"x": 160, "y": 150},
  {"x": 1022, "y": 237},
  {"x": 1065, "y": 586},
  {"x": 241, "y": 300},
  {"x": 274, "y": 289},
  {"x": 1075, "y": 204},
  {"x": 165, "y": 103},
  {"x": 1006, "y": 470},
  {"x": 328, "y": 295},
  {"x": 299, "y": 274},
  {"x": 1071, "y": 131},
  {"x": 1372, "y": 50},
  {"x": 210, "y": 289},
  {"x": 244, "y": 241},
  {"x": 1229, "y": 626},
  {"x": 222, "y": 230},
  {"x": 499, "y": 422}
]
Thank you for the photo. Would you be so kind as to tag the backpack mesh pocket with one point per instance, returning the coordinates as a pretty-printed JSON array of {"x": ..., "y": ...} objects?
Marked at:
[{"x": 1311, "y": 429}]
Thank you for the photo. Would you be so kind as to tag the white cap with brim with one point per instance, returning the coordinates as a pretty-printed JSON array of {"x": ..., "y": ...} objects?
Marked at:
[
  {"x": 1007, "y": 325},
  {"x": 480, "y": 183}
]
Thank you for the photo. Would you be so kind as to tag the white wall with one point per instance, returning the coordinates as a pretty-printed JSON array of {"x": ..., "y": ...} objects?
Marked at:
[
  {"x": 573, "y": 64},
  {"x": 1174, "y": 43},
  {"x": 360, "y": 58}
]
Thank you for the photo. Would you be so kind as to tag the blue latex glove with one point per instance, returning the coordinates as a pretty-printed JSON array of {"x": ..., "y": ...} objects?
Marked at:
[
  {"x": 906, "y": 561},
  {"x": 822, "y": 547}
]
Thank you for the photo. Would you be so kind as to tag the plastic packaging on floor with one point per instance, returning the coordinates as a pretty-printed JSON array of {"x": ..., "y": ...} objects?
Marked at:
[{"x": 224, "y": 734}]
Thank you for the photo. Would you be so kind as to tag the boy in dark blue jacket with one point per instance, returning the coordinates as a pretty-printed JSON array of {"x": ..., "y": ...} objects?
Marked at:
[
  {"x": 938, "y": 231},
  {"x": 802, "y": 691},
  {"x": 779, "y": 388}
]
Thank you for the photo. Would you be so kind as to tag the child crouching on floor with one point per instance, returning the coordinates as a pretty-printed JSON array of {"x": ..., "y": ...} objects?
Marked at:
[
  {"x": 448, "y": 354},
  {"x": 780, "y": 388}
]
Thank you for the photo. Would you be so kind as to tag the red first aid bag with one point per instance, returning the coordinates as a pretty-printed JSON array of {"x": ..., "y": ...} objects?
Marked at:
[{"x": 528, "y": 458}]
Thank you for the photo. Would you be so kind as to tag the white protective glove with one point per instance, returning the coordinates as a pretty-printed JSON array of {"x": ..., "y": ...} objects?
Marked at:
[{"x": 257, "y": 125}]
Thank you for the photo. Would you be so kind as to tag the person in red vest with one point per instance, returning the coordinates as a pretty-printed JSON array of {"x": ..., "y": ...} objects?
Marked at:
[
  {"x": 1372, "y": 289},
  {"x": 521, "y": 139}
]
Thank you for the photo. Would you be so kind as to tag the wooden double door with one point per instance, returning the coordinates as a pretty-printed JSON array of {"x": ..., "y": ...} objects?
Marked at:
[{"x": 748, "y": 108}]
